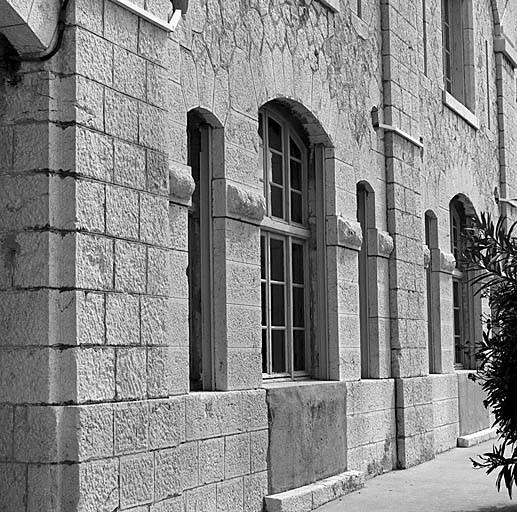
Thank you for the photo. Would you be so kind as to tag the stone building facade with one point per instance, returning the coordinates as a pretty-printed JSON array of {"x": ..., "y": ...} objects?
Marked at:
[{"x": 227, "y": 251}]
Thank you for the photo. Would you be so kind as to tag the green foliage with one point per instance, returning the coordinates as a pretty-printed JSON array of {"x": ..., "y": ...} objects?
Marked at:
[{"x": 492, "y": 252}]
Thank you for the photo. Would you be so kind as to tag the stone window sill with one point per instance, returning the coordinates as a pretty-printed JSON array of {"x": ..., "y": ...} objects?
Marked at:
[
  {"x": 461, "y": 110},
  {"x": 333, "y": 5},
  {"x": 275, "y": 384}
]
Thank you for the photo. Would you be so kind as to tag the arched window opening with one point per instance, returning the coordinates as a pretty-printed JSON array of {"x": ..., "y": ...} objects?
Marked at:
[
  {"x": 200, "y": 272},
  {"x": 432, "y": 295},
  {"x": 466, "y": 305},
  {"x": 288, "y": 247},
  {"x": 366, "y": 218}
]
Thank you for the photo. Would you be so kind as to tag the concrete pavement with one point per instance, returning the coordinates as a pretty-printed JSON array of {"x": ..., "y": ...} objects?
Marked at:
[{"x": 446, "y": 484}]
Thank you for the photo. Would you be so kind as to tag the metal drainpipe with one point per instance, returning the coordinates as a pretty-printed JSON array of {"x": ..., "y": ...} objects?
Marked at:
[
  {"x": 385, "y": 78},
  {"x": 503, "y": 188}
]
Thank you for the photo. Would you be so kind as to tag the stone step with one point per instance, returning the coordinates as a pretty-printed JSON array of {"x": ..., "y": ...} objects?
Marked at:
[
  {"x": 310, "y": 497},
  {"x": 477, "y": 438}
]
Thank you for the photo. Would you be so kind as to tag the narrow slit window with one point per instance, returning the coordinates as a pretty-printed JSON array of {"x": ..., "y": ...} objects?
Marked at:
[
  {"x": 199, "y": 271},
  {"x": 366, "y": 218}
]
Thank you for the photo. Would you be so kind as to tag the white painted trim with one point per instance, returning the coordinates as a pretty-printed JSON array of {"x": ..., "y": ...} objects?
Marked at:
[
  {"x": 464, "y": 112},
  {"x": 401, "y": 133},
  {"x": 502, "y": 45},
  {"x": 151, "y": 18},
  {"x": 333, "y": 5}
]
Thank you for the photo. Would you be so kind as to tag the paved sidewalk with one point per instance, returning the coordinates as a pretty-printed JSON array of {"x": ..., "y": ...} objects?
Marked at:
[{"x": 446, "y": 484}]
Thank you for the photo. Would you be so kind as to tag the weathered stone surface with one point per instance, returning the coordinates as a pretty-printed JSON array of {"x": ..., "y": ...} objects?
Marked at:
[
  {"x": 136, "y": 480},
  {"x": 245, "y": 203},
  {"x": 213, "y": 415},
  {"x": 211, "y": 460},
  {"x": 131, "y": 374},
  {"x": 167, "y": 423},
  {"x": 88, "y": 140},
  {"x": 181, "y": 182},
  {"x": 131, "y": 427},
  {"x": 176, "y": 470},
  {"x": 344, "y": 232},
  {"x": 230, "y": 495},
  {"x": 321, "y": 447}
]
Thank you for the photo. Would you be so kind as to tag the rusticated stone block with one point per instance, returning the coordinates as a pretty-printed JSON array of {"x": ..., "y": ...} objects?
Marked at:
[
  {"x": 131, "y": 427},
  {"x": 166, "y": 423},
  {"x": 236, "y": 455},
  {"x": 213, "y": 415},
  {"x": 130, "y": 260},
  {"x": 255, "y": 488},
  {"x": 131, "y": 375},
  {"x": 136, "y": 480},
  {"x": 230, "y": 495},
  {"x": 176, "y": 470},
  {"x": 87, "y": 432},
  {"x": 155, "y": 313},
  {"x": 211, "y": 460},
  {"x": 122, "y": 319},
  {"x": 202, "y": 498},
  {"x": 122, "y": 212},
  {"x": 6, "y": 431},
  {"x": 259, "y": 443},
  {"x": 13, "y": 486}
]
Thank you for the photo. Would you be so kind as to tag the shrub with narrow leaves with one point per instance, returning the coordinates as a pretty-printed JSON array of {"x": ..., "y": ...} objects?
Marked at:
[{"x": 492, "y": 252}]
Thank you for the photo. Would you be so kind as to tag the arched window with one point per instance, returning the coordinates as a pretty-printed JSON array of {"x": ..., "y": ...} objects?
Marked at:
[
  {"x": 366, "y": 218},
  {"x": 432, "y": 295},
  {"x": 199, "y": 270},
  {"x": 285, "y": 238},
  {"x": 466, "y": 305}
]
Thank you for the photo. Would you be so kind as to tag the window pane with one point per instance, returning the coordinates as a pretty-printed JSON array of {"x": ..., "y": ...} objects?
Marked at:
[
  {"x": 278, "y": 351},
  {"x": 299, "y": 350},
  {"x": 296, "y": 152},
  {"x": 298, "y": 307},
  {"x": 297, "y": 263},
  {"x": 278, "y": 305},
  {"x": 277, "y": 202},
  {"x": 277, "y": 171},
  {"x": 277, "y": 260},
  {"x": 264, "y": 305},
  {"x": 264, "y": 351},
  {"x": 296, "y": 175},
  {"x": 296, "y": 207},
  {"x": 263, "y": 257},
  {"x": 275, "y": 135}
]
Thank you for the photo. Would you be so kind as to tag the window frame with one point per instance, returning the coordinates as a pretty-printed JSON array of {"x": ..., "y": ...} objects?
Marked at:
[
  {"x": 289, "y": 232},
  {"x": 463, "y": 299},
  {"x": 201, "y": 349},
  {"x": 458, "y": 51}
]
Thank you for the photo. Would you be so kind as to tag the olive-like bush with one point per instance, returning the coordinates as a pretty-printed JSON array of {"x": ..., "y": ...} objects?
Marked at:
[{"x": 491, "y": 250}]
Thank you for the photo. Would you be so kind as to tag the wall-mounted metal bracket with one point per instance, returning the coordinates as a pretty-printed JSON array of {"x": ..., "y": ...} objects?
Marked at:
[
  {"x": 168, "y": 26},
  {"x": 390, "y": 128}
]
